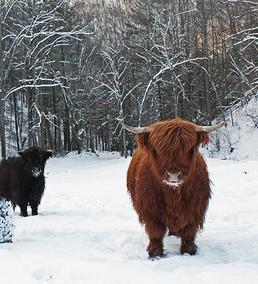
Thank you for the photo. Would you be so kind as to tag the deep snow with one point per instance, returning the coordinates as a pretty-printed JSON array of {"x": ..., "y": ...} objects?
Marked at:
[{"x": 87, "y": 231}]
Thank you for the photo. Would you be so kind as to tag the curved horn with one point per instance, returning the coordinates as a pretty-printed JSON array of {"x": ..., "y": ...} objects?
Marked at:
[
  {"x": 209, "y": 128},
  {"x": 136, "y": 130}
]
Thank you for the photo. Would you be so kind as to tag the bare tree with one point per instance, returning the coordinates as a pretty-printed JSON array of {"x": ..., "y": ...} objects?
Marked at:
[{"x": 2, "y": 93}]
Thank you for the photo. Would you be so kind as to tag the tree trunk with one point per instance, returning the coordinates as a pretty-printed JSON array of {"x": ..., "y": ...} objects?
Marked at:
[
  {"x": 124, "y": 144},
  {"x": 16, "y": 121},
  {"x": 67, "y": 131},
  {"x": 2, "y": 93},
  {"x": 30, "y": 118}
]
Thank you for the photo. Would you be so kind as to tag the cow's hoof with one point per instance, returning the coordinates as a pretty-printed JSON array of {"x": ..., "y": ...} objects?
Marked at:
[
  {"x": 155, "y": 248},
  {"x": 156, "y": 257},
  {"x": 188, "y": 247},
  {"x": 156, "y": 253}
]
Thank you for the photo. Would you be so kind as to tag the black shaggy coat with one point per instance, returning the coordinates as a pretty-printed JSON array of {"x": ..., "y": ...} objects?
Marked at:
[{"x": 22, "y": 179}]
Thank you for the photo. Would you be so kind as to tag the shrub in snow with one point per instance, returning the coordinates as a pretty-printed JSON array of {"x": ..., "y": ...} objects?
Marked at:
[{"x": 6, "y": 221}]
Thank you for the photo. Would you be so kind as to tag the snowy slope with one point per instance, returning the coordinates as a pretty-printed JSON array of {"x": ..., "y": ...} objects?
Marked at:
[
  {"x": 87, "y": 231},
  {"x": 239, "y": 139}
]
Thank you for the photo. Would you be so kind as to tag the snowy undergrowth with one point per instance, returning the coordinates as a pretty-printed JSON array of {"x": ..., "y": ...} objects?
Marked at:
[
  {"x": 87, "y": 231},
  {"x": 6, "y": 221},
  {"x": 239, "y": 139}
]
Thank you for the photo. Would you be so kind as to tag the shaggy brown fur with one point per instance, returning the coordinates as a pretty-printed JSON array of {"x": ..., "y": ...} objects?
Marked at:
[{"x": 170, "y": 147}]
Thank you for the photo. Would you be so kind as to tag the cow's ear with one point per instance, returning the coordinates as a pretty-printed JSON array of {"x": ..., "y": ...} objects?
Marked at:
[
  {"x": 48, "y": 154},
  {"x": 202, "y": 138},
  {"x": 143, "y": 140}
]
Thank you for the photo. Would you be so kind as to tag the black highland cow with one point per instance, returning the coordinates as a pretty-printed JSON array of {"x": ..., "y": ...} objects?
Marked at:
[{"x": 22, "y": 179}]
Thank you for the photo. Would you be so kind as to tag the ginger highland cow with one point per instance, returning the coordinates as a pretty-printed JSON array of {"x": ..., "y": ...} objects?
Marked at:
[{"x": 169, "y": 183}]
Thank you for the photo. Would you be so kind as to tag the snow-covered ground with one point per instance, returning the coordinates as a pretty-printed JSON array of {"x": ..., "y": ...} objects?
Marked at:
[{"x": 87, "y": 231}]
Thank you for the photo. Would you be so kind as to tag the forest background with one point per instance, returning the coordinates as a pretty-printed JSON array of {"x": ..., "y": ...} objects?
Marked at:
[{"x": 68, "y": 69}]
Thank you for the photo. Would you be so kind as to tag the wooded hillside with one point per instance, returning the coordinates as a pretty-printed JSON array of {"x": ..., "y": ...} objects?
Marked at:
[{"x": 68, "y": 69}]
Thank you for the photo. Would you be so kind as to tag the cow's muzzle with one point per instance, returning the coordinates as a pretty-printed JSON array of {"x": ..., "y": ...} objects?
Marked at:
[
  {"x": 36, "y": 172},
  {"x": 173, "y": 179}
]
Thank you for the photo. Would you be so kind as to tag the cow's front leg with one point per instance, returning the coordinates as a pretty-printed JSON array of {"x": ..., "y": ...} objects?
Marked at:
[
  {"x": 156, "y": 232},
  {"x": 34, "y": 208},
  {"x": 23, "y": 208},
  {"x": 188, "y": 246}
]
